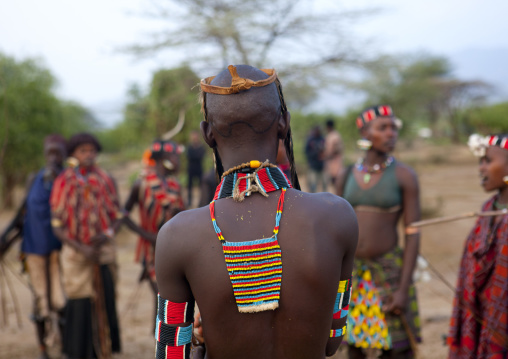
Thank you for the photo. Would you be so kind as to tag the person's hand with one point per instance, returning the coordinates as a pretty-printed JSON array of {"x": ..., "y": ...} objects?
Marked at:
[
  {"x": 102, "y": 238},
  {"x": 90, "y": 252},
  {"x": 198, "y": 330},
  {"x": 396, "y": 303}
]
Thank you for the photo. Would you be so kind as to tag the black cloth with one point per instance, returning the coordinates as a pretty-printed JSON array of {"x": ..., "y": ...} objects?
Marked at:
[
  {"x": 78, "y": 331},
  {"x": 314, "y": 151},
  {"x": 195, "y": 156}
]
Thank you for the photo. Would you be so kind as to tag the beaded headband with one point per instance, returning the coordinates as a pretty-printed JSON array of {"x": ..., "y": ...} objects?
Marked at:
[
  {"x": 373, "y": 113},
  {"x": 237, "y": 83},
  {"x": 159, "y": 147},
  {"x": 478, "y": 144}
]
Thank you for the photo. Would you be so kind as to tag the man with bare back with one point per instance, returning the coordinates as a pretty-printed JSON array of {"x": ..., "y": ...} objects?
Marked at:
[{"x": 269, "y": 267}]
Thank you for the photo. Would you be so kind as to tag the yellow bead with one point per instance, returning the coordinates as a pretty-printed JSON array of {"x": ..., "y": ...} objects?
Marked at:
[{"x": 255, "y": 164}]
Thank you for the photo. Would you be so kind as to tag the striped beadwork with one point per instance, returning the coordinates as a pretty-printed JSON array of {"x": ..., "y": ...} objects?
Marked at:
[
  {"x": 174, "y": 313},
  {"x": 254, "y": 267},
  {"x": 173, "y": 342},
  {"x": 341, "y": 305},
  {"x": 270, "y": 179},
  {"x": 334, "y": 333}
]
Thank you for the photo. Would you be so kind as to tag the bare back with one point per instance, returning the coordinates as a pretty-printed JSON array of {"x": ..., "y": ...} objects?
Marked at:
[{"x": 317, "y": 236}]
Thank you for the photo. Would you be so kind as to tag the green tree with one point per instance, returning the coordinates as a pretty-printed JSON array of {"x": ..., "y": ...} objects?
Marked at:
[
  {"x": 424, "y": 93},
  {"x": 171, "y": 91},
  {"x": 490, "y": 119},
  {"x": 30, "y": 110},
  {"x": 151, "y": 115}
]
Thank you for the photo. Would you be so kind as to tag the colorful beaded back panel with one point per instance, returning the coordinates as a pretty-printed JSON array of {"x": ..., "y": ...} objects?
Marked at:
[{"x": 254, "y": 267}]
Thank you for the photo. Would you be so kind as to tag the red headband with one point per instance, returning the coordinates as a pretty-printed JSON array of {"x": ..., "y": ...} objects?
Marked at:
[{"x": 373, "y": 113}]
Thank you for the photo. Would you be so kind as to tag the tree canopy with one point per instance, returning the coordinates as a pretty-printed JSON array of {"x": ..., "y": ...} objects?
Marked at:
[
  {"x": 30, "y": 110},
  {"x": 148, "y": 116},
  {"x": 306, "y": 43},
  {"x": 424, "y": 93}
]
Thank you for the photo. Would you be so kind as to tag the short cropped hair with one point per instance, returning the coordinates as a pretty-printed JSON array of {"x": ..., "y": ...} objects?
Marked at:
[
  {"x": 55, "y": 138},
  {"x": 80, "y": 139}
]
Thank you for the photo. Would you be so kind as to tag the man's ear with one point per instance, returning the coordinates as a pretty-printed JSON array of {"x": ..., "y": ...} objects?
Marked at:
[
  {"x": 283, "y": 125},
  {"x": 206, "y": 132}
]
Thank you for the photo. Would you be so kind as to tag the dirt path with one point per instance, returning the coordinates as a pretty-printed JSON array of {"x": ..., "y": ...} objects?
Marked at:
[{"x": 449, "y": 186}]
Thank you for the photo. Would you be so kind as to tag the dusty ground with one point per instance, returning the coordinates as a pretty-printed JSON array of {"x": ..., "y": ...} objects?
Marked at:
[{"x": 449, "y": 185}]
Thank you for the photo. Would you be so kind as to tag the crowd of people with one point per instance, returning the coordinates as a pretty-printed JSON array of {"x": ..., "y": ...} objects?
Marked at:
[{"x": 282, "y": 273}]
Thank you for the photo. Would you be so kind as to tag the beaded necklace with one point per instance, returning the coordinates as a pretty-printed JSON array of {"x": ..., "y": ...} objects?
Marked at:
[
  {"x": 254, "y": 267},
  {"x": 239, "y": 184},
  {"x": 369, "y": 170}
]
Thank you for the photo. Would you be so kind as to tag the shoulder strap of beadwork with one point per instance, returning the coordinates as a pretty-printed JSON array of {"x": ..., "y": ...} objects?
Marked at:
[
  {"x": 280, "y": 207},
  {"x": 214, "y": 222}
]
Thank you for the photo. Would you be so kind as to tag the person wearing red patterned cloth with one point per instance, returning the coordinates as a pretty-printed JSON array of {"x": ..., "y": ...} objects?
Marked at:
[
  {"x": 158, "y": 195},
  {"x": 84, "y": 213},
  {"x": 479, "y": 323}
]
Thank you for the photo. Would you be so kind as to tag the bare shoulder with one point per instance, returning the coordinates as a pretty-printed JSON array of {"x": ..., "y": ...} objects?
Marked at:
[
  {"x": 183, "y": 231},
  {"x": 406, "y": 175},
  {"x": 333, "y": 212}
]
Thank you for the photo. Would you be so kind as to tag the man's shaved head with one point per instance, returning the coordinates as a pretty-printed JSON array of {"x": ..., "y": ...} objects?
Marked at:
[
  {"x": 257, "y": 108},
  {"x": 245, "y": 115}
]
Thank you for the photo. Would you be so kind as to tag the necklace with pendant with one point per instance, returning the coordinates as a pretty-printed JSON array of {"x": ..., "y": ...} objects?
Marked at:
[{"x": 369, "y": 170}]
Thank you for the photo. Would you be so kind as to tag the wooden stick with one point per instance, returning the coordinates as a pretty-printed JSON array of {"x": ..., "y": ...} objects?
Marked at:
[
  {"x": 13, "y": 296},
  {"x": 5, "y": 319},
  {"x": 412, "y": 340},
  {"x": 428, "y": 222}
]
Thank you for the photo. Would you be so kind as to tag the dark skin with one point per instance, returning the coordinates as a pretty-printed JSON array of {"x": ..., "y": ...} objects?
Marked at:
[
  {"x": 317, "y": 251},
  {"x": 54, "y": 154},
  {"x": 383, "y": 134}
]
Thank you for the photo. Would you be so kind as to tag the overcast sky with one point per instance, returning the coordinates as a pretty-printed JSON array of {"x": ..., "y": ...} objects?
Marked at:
[{"x": 77, "y": 40}]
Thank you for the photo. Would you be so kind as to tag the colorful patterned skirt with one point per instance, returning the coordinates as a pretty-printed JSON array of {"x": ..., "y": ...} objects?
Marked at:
[{"x": 374, "y": 280}]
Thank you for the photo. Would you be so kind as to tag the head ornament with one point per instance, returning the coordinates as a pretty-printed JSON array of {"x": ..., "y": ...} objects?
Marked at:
[{"x": 478, "y": 143}]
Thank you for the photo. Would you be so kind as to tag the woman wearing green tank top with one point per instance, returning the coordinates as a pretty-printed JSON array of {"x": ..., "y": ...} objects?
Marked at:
[{"x": 383, "y": 313}]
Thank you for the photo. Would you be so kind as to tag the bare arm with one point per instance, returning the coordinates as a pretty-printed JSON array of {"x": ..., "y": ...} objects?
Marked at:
[
  {"x": 348, "y": 237},
  {"x": 170, "y": 260},
  {"x": 170, "y": 263},
  {"x": 341, "y": 180},
  {"x": 411, "y": 206},
  {"x": 15, "y": 228}
]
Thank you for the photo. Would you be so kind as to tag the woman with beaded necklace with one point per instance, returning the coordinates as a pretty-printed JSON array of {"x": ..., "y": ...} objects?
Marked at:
[
  {"x": 479, "y": 323},
  {"x": 383, "y": 312}
]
